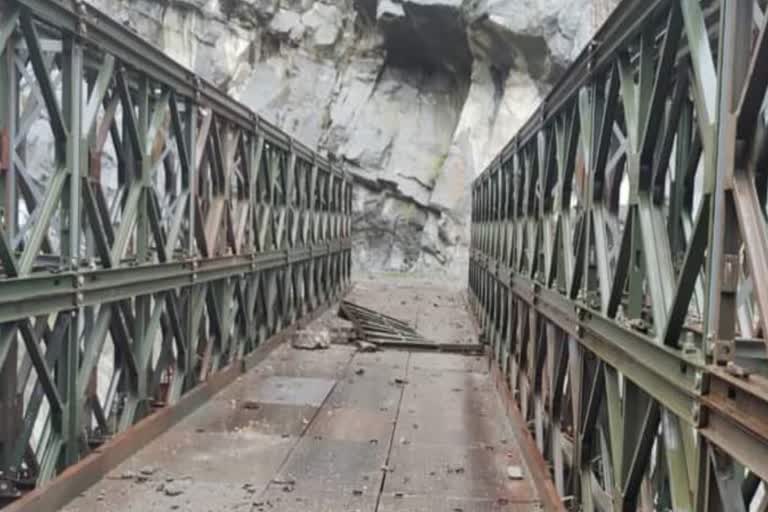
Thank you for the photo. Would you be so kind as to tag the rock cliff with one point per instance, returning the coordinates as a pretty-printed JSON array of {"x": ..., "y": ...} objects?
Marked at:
[{"x": 414, "y": 96}]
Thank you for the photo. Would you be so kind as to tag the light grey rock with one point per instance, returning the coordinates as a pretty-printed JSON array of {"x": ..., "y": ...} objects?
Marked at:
[
  {"x": 414, "y": 96},
  {"x": 325, "y": 22}
]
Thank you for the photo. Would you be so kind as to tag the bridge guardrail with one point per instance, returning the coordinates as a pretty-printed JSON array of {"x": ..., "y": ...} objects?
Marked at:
[
  {"x": 619, "y": 262},
  {"x": 176, "y": 232}
]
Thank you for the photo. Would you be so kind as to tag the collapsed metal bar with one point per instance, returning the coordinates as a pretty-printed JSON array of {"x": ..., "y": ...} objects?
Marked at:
[
  {"x": 173, "y": 233},
  {"x": 619, "y": 265}
]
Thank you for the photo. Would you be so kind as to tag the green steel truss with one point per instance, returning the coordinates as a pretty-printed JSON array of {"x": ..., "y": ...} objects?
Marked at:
[
  {"x": 175, "y": 232},
  {"x": 619, "y": 262}
]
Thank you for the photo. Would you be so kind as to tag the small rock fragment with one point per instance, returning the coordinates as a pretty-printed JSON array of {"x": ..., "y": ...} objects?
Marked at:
[
  {"x": 251, "y": 405},
  {"x": 173, "y": 489},
  {"x": 148, "y": 470},
  {"x": 400, "y": 380},
  {"x": 514, "y": 472},
  {"x": 360, "y": 371},
  {"x": 364, "y": 346},
  {"x": 309, "y": 340}
]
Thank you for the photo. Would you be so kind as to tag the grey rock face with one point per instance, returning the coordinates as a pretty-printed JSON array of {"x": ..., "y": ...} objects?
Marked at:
[{"x": 415, "y": 96}]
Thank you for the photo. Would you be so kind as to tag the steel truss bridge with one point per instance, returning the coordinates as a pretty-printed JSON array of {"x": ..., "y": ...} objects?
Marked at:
[
  {"x": 619, "y": 262},
  {"x": 176, "y": 234}
]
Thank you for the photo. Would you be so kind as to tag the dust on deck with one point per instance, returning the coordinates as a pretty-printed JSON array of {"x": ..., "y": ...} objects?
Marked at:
[{"x": 337, "y": 430}]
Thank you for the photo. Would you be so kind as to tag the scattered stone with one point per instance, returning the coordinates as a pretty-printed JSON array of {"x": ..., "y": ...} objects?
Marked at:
[
  {"x": 457, "y": 390},
  {"x": 364, "y": 346},
  {"x": 357, "y": 492},
  {"x": 514, "y": 472},
  {"x": 387, "y": 469},
  {"x": 398, "y": 495},
  {"x": 199, "y": 430},
  {"x": 360, "y": 371},
  {"x": 309, "y": 340},
  {"x": 457, "y": 470},
  {"x": 401, "y": 381},
  {"x": 251, "y": 405},
  {"x": 284, "y": 481},
  {"x": 126, "y": 475},
  {"x": 404, "y": 441},
  {"x": 173, "y": 489},
  {"x": 148, "y": 470},
  {"x": 373, "y": 441}
]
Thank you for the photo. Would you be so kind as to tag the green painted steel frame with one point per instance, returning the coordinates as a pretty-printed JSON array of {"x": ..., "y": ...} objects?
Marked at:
[
  {"x": 619, "y": 261},
  {"x": 122, "y": 290}
]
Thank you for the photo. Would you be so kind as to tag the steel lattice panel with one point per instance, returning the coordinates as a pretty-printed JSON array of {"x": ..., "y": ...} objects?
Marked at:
[
  {"x": 176, "y": 232},
  {"x": 619, "y": 262}
]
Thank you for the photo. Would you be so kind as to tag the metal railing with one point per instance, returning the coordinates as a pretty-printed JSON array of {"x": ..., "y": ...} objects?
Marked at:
[
  {"x": 619, "y": 262},
  {"x": 175, "y": 232}
]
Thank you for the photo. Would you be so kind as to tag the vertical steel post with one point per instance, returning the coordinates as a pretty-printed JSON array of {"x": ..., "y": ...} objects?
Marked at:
[
  {"x": 10, "y": 413},
  {"x": 70, "y": 237}
]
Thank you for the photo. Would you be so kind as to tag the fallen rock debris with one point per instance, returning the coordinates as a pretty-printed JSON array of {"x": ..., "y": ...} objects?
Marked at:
[
  {"x": 311, "y": 340},
  {"x": 364, "y": 346},
  {"x": 514, "y": 472}
]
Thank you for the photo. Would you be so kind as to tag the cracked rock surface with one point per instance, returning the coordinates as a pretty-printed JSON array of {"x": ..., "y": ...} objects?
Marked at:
[{"x": 414, "y": 96}]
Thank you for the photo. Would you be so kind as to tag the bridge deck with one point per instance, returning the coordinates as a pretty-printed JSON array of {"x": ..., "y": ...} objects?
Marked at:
[{"x": 336, "y": 430}]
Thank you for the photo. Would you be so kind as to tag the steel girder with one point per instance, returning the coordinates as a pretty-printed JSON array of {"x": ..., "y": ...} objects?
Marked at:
[
  {"x": 619, "y": 262},
  {"x": 175, "y": 232}
]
